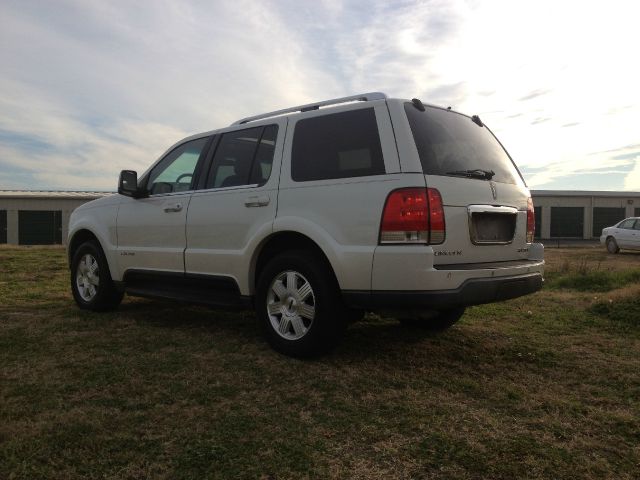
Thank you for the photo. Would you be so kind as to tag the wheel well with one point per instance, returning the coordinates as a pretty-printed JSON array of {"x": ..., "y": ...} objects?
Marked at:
[
  {"x": 78, "y": 239},
  {"x": 283, "y": 242}
]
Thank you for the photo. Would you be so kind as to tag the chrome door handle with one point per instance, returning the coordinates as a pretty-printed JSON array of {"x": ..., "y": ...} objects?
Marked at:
[
  {"x": 173, "y": 208},
  {"x": 262, "y": 201}
]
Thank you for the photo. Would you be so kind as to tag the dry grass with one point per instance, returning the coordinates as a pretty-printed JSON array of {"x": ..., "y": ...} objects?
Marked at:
[{"x": 545, "y": 386}]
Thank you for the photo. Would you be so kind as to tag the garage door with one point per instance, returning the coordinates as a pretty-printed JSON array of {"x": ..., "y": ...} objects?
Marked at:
[
  {"x": 606, "y": 217},
  {"x": 3, "y": 226},
  {"x": 567, "y": 222},
  {"x": 39, "y": 227}
]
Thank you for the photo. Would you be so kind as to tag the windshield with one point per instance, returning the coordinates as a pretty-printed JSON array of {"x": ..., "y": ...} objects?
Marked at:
[{"x": 452, "y": 144}]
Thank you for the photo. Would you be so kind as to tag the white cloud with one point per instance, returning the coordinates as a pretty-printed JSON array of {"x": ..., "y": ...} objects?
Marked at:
[
  {"x": 632, "y": 180},
  {"x": 88, "y": 88}
]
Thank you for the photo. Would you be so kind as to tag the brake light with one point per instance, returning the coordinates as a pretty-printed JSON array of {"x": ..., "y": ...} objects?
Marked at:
[
  {"x": 413, "y": 215},
  {"x": 531, "y": 220},
  {"x": 436, "y": 215}
]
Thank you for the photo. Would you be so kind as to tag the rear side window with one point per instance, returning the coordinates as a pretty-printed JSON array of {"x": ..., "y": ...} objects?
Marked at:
[
  {"x": 243, "y": 157},
  {"x": 450, "y": 143},
  {"x": 338, "y": 145}
]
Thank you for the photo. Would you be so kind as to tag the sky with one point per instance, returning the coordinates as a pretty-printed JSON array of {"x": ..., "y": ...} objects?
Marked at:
[{"x": 88, "y": 88}]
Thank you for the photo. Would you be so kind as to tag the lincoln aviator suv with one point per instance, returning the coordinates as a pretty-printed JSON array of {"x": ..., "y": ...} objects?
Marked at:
[{"x": 313, "y": 215}]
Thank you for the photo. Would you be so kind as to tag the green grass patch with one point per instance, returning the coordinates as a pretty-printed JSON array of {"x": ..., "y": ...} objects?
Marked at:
[
  {"x": 626, "y": 310},
  {"x": 544, "y": 386},
  {"x": 594, "y": 281}
]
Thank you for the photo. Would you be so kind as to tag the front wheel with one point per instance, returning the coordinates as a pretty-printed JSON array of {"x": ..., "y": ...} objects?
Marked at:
[
  {"x": 91, "y": 282},
  {"x": 298, "y": 305},
  {"x": 433, "y": 321},
  {"x": 612, "y": 245}
]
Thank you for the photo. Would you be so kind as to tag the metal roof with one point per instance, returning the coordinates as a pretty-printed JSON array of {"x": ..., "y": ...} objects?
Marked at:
[
  {"x": 583, "y": 193},
  {"x": 53, "y": 194}
]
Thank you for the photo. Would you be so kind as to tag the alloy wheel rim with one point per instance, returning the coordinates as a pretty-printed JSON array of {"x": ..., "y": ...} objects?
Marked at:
[
  {"x": 291, "y": 305},
  {"x": 87, "y": 277}
]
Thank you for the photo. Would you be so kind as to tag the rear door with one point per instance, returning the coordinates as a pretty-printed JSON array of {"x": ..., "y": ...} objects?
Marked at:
[
  {"x": 484, "y": 196},
  {"x": 635, "y": 241},
  {"x": 237, "y": 203}
]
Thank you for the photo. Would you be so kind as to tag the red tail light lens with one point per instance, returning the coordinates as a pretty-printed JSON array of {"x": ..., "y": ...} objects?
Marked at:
[
  {"x": 413, "y": 215},
  {"x": 436, "y": 215},
  {"x": 531, "y": 220}
]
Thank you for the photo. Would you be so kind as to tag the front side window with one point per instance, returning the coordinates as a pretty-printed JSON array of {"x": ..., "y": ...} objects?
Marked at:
[
  {"x": 338, "y": 145},
  {"x": 175, "y": 171},
  {"x": 627, "y": 224},
  {"x": 243, "y": 157},
  {"x": 451, "y": 144}
]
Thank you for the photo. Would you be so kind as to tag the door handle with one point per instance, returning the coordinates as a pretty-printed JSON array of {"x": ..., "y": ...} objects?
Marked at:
[
  {"x": 262, "y": 201},
  {"x": 173, "y": 208}
]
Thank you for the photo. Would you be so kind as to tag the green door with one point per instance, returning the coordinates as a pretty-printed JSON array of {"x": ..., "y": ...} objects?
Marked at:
[
  {"x": 567, "y": 222},
  {"x": 605, "y": 217},
  {"x": 538, "y": 217},
  {"x": 3, "y": 226},
  {"x": 39, "y": 227}
]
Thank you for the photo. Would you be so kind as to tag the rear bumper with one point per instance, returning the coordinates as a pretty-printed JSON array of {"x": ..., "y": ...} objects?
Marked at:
[{"x": 474, "y": 291}]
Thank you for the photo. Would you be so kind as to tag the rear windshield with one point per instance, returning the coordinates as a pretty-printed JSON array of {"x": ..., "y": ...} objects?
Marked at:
[{"x": 450, "y": 143}]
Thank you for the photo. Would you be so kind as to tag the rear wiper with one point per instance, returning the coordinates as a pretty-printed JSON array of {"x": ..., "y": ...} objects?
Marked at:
[{"x": 475, "y": 173}]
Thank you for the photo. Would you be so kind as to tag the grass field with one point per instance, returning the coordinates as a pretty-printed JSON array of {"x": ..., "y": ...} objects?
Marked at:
[{"x": 546, "y": 386}]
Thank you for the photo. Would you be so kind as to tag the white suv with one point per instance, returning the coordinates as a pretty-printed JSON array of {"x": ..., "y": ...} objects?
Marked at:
[{"x": 313, "y": 215}]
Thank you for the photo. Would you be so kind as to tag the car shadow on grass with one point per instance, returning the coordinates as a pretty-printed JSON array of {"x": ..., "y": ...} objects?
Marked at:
[{"x": 366, "y": 338}]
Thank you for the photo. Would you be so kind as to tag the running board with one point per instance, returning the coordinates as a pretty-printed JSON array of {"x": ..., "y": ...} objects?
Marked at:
[{"x": 222, "y": 292}]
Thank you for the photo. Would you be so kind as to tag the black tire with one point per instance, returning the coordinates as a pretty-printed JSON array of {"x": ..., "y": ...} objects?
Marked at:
[
  {"x": 106, "y": 296},
  {"x": 434, "y": 321},
  {"x": 289, "y": 328},
  {"x": 612, "y": 245}
]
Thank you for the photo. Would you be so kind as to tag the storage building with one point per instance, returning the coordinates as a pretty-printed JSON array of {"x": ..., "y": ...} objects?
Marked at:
[
  {"x": 42, "y": 218},
  {"x": 38, "y": 218}
]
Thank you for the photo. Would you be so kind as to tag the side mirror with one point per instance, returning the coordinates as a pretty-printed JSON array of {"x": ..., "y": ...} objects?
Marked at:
[{"x": 128, "y": 184}]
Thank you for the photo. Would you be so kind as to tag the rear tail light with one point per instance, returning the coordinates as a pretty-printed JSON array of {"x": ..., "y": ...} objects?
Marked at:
[
  {"x": 413, "y": 215},
  {"x": 531, "y": 220}
]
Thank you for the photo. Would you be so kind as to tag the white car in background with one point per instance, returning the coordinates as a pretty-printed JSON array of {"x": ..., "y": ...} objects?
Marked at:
[{"x": 625, "y": 234}]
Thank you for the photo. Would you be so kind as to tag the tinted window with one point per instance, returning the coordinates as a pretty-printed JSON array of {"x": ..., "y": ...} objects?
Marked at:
[
  {"x": 175, "y": 171},
  {"x": 338, "y": 145},
  {"x": 263, "y": 161},
  {"x": 243, "y": 157},
  {"x": 449, "y": 142}
]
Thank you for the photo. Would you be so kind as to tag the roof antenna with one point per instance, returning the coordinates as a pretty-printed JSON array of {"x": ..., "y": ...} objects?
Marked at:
[
  {"x": 418, "y": 104},
  {"x": 476, "y": 119}
]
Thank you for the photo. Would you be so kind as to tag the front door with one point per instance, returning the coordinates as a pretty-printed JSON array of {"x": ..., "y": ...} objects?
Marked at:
[{"x": 151, "y": 231}]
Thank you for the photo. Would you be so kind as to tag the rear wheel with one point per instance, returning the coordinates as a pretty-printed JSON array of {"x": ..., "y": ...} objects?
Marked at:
[
  {"x": 298, "y": 305},
  {"x": 91, "y": 283},
  {"x": 612, "y": 245},
  {"x": 433, "y": 321}
]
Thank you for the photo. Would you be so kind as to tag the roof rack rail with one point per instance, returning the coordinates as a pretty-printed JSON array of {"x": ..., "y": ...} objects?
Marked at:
[{"x": 363, "y": 97}]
